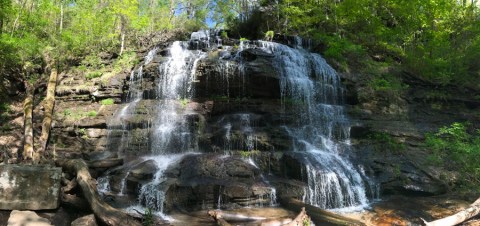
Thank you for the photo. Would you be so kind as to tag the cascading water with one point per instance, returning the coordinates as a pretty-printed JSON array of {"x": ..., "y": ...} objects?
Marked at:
[
  {"x": 321, "y": 132},
  {"x": 171, "y": 133}
]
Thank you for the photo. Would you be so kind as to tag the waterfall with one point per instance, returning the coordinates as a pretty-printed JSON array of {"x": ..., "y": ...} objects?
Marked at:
[
  {"x": 161, "y": 127},
  {"x": 321, "y": 131},
  {"x": 171, "y": 133}
]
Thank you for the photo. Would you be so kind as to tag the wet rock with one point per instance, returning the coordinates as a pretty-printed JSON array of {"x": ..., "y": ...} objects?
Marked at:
[
  {"x": 20, "y": 187},
  {"x": 100, "y": 155},
  {"x": 400, "y": 176},
  {"x": 26, "y": 218},
  {"x": 143, "y": 171},
  {"x": 204, "y": 179}
]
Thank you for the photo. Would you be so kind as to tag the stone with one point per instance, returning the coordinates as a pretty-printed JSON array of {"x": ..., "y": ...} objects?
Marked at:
[
  {"x": 88, "y": 220},
  {"x": 144, "y": 171},
  {"x": 26, "y": 218},
  {"x": 29, "y": 187}
]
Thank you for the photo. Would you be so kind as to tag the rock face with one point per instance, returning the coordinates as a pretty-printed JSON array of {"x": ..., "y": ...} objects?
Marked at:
[
  {"x": 214, "y": 181},
  {"x": 29, "y": 187},
  {"x": 237, "y": 105}
]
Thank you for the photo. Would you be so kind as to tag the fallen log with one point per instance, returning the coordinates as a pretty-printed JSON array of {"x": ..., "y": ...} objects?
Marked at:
[
  {"x": 217, "y": 216},
  {"x": 235, "y": 217},
  {"x": 222, "y": 219},
  {"x": 301, "y": 219},
  {"x": 471, "y": 211},
  {"x": 318, "y": 216},
  {"x": 105, "y": 163},
  {"x": 104, "y": 212}
]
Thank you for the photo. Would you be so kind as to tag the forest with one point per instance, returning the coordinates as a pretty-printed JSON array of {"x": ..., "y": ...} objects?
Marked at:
[{"x": 410, "y": 91}]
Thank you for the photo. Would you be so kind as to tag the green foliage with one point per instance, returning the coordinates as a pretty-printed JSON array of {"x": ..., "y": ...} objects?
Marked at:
[
  {"x": 5, "y": 127},
  {"x": 387, "y": 83},
  {"x": 92, "y": 75},
  {"x": 78, "y": 114},
  {"x": 248, "y": 154},
  {"x": 243, "y": 39},
  {"x": 341, "y": 49},
  {"x": 92, "y": 113},
  {"x": 108, "y": 101},
  {"x": 385, "y": 142},
  {"x": 224, "y": 35},
  {"x": 269, "y": 35},
  {"x": 458, "y": 150},
  {"x": 306, "y": 222},
  {"x": 4, "y": 107},
  {"x": 184, "y": 102},
  {"x": 148, "y": 218}
]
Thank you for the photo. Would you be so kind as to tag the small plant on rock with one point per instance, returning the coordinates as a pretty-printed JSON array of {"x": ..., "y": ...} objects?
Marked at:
[{"x": 269, "y": 35}]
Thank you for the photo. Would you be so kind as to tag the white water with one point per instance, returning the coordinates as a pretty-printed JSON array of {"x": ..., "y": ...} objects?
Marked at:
[
  {"x": 171, "y": 133},
  {"x": 152, "y": 194},
  {"x": 321, "y": 133}
]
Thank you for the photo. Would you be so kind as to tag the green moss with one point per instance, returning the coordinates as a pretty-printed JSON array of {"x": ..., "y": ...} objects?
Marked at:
[
  {"x": 385, "y": 142},
  {"x": 108, "y": 101},
  {"x": 78, "y": 114},
  {"x": 92, "y": 75},
  {"x": 92, "y": 113}
]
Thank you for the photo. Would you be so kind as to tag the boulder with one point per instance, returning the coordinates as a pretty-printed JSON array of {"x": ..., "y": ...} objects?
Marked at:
[
  {"x": 29, "y": 187},
  {"x": 26, "y": 218},
  {"x": 145, "y": 170},
  {"x": 88, "y": 220}
]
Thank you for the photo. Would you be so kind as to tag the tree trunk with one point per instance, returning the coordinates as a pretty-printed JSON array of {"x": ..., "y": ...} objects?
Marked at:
[
  {"x": 28, "y": 123},
  {"x": 107, "y": 214},
  {"x": 61, "y": 16},
  {"x": 471, "y": 211},
  {"x": 318, "y": 216},
  {"x": 122, "y": 33},
  {"x": 49, "y": 104},
  {"x": 222, "y": 219}
]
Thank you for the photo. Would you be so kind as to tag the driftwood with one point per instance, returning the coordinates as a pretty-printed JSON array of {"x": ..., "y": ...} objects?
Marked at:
[
  {"x": 222, "y": 219},
  {"x": 318, "y": 216},
  {"x": 471, "y": 211},
  {"x": 104, "y": 212}
]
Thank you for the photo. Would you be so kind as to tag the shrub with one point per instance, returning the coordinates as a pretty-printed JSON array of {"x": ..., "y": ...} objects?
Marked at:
[{"x": 454, "y": 147}]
